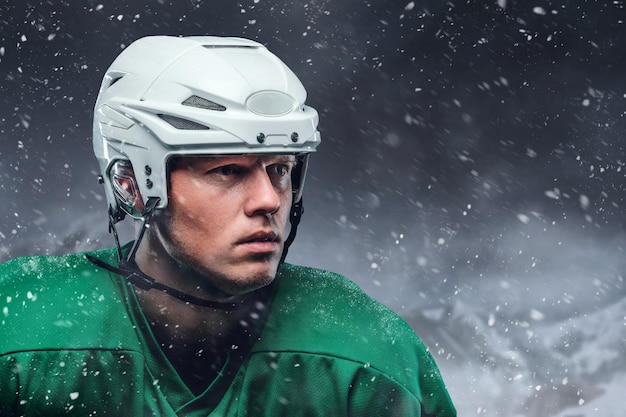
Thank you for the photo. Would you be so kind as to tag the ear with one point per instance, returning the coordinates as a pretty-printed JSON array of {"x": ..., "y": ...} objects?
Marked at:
[{"x": 126, "y": 189}]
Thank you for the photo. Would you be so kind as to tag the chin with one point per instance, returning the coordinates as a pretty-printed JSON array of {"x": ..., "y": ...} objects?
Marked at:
[
  {"x": 246, "y": 280},
  {"x": 246, "y": 286}
]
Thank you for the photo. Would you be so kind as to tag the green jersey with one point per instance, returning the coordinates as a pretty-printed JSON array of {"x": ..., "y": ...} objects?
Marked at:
[{"x": 74, "y": 341}]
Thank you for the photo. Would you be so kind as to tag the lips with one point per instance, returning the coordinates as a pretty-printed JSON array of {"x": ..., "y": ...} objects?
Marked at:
[
  {"x": 261, "y": 236},
  {"x": 262, "y": 242}
]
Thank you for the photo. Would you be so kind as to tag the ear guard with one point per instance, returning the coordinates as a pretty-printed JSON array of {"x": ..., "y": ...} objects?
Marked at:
[{"x": 126, "y": 190}]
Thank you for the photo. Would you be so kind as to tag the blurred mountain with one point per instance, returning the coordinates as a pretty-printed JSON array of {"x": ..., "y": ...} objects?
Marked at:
[{"x": 515, "y": 366}]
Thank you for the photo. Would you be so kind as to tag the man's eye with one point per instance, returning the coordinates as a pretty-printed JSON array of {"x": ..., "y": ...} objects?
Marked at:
[
  {"x": 279, "y": 169},
  {"x": 225, "y": 170}
]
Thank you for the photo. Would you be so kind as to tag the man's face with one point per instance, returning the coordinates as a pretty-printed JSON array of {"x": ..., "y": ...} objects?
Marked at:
[{"x": 226, "y": 219}]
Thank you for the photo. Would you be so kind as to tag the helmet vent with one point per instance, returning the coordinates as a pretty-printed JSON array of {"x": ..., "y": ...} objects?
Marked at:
[
  {"x": 201, "y": 103},
  {"x": 116, "y": 79},
  {"x": 182, "y": 124}
]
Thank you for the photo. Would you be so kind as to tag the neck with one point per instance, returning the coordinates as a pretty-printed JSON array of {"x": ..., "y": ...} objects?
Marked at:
[
  {"x": 197, "y": 340},
  {"x": 185, "y": 324}
]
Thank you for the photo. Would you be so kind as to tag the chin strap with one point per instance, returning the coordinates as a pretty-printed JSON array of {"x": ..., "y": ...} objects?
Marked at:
[
  {"x": 145, "y": 282},
  {"x": 131, "y": 272},
  {"x": 297, "y": 209}
]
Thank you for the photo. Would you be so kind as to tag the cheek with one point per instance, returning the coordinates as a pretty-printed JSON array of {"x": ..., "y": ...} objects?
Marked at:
[
  {"x": 286, "y": 212},
  {"x": 179, "y": 200},
  {"x": 187, "y": 195},
  {"x": 183, "y": 189},
  {"x": 185, "y": 207}
]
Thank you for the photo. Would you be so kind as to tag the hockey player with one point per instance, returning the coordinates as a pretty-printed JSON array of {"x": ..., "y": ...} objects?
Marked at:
[{"x": 203, "y": 142}]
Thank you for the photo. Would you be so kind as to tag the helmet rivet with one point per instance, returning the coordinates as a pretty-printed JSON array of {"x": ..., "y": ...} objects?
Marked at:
[
  {"x": 148, "y": 170},
  {"x": 260, "y": 137},
  {"x": 294, "y": 137},
  {"x": 100, "y": 179},
  {"x": 149, "y": 184}
]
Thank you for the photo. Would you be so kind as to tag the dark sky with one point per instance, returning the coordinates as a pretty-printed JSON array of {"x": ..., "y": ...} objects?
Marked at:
[
  {"x": 471, "y": 151},
  {"x": 455, "y": 134},
  {"x": 461, "y": 121}
]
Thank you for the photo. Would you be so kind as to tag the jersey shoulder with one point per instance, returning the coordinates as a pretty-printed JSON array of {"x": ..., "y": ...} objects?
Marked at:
[
  {"x": 51, "y": 302},
  {"x": 321, "y": 317},
  {"x": 334, "y": 302},
  {"x": 325, "y": 313}
]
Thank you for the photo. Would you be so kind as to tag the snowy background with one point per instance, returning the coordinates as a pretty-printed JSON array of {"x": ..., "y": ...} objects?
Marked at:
[{"x": 471, "y": 174}]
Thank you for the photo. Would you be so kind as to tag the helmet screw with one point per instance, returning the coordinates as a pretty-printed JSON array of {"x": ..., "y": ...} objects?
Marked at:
[
  {"x": 148, "y": 170},
  {"x": 149, "y": 183},
  {"x": 260, "y": 137},
  {"x": 100, "y": 179},
  {"x": 294, "y": 137}
]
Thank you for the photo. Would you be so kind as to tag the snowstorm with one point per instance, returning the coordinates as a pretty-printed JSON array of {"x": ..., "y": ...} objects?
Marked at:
[{"x": 470, "y": 175}]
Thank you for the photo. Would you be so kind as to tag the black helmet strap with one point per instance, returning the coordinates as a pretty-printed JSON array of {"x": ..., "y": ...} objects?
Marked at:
[{"x": 297, "y": 209}]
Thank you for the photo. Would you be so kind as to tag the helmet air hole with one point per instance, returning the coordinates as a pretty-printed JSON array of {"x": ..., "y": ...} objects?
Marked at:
[
  {"x": 201, "y": 103},
  {"x": 182, "y": 124}
]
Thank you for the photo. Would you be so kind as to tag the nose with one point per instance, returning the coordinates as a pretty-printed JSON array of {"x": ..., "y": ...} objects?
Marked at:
[{"x": 263, "y": 198}]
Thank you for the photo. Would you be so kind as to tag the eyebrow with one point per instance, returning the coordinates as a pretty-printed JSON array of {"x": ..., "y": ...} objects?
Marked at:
[
  {"x": 285, "y": 158},
  {"x": 189, "y": 161}
]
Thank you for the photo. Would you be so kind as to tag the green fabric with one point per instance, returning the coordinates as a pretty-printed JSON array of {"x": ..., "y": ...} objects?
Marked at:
[{"x": 73, "y": 341}]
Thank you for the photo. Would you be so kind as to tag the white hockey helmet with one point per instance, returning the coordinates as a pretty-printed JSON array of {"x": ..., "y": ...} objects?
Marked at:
[{"x": 169, "y": 96}]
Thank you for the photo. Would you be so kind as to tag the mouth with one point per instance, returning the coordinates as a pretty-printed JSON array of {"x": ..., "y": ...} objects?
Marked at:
[
  {"x": 261, "y": 242},
  {"x": 262, "y": 236}
]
